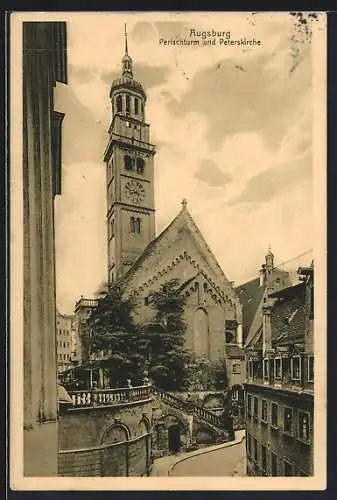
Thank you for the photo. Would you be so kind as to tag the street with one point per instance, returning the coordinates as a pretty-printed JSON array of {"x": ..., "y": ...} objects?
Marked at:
[{"x": 226, "y": 461}]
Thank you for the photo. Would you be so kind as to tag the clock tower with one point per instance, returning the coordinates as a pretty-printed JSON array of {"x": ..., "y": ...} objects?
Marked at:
[{"x": 129, "y": 174}]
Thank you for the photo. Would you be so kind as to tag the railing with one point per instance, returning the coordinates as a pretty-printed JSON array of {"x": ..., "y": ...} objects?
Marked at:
[
  {"x": 109, "y": 397},
  {"x": 191, "y": 408},
  {"x": 129, "y": 140},
  {"x": 86, "y": 303}
]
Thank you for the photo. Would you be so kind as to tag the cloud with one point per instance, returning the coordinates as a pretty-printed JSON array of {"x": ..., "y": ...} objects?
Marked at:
[
  {"x": 266, "y": 185},
  {"x": 240, "y": 101},
  {"x": 211, "y": 174},
  {"x": 84, "y": 137}
]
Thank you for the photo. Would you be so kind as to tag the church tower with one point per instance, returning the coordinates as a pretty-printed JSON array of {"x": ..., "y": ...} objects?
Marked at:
[{"x": 129, "y": 174}]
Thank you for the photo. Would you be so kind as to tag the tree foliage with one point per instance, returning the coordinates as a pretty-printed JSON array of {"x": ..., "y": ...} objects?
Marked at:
[
  {"x": 114, "y": 334},
  {"x": 168, "y": 359}
]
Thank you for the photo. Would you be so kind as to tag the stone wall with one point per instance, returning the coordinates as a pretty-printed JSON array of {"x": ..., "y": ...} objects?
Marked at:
[{"x": 106, "y": 441}]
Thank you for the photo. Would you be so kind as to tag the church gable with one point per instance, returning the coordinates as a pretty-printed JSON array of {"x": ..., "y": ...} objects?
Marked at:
[{"x": 180, "y": 251}]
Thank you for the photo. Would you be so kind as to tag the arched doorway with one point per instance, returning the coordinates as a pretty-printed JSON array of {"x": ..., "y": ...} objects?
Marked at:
[{"x": 174, "y": 441}]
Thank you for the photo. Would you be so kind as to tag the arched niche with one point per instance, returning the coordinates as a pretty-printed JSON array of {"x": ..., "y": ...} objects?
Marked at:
[
  {"x": 115, "y": 433},
  {"x": 201, "y": 333}
]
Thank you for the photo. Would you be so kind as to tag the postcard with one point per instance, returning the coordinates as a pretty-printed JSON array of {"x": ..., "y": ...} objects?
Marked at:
[{"x": 168, "y": 242}]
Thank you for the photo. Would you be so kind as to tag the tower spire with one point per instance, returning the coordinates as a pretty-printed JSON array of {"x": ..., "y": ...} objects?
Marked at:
[
  {"x": 126, "y": 40},
  {"x": 127, "y": 61}
]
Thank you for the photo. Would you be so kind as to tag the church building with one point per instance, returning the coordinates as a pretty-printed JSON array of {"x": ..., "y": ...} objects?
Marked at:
[{"x": 144, "y": 260}]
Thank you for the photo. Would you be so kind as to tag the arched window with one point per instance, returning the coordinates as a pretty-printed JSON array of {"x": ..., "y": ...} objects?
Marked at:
[
  {"x": 127, "y": 103},
  {"x": 127, "y": 162},
  {"x": 135, "y": 225},
  {"x": 136, "y": 106},
  {"x": 119, "y": 104},
  {"x": 140, "y": 165}
]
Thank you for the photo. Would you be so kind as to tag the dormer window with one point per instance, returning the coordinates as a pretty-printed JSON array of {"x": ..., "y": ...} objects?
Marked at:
[
  {"x": 278, "y": 368},
  {"x": 266, "y": 369},
  {"x": 296, "y": 368}
]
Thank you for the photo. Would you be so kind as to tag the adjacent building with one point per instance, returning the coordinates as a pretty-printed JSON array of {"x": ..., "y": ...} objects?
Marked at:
[
  {"x": 44, "y": 64},
  {"x": 64, "y": 341},
  {"x": 280, "y": 383}
]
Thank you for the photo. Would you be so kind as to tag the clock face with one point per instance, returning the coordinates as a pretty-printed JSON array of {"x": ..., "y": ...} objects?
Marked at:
[{"x": 135, "y": 191}]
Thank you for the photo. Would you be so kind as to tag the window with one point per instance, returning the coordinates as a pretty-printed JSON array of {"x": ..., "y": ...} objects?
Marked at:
[
  {"x": 140, "y": 165},
  {"x": 135, "y": 225},
  {"x": 249, "y": 404},
  {"x": 274, "y": 415},
  {"x": 288, "y": 420},
  {"x": 288, "y": 468},
  {"x": 278, "y": 368},
  {"x": 136, "y": 106},
  {"x": 235, "y": 394},
  {"x": 146, "y": 301},
  {"x": 263, "y": 457},
  {"x": 127, "y": 102},
  {"x": 255, "y": 449},
  {"x": 249, "y": 444},
  {"x": 310, "y": 368},
  {"x": 236, "y": 368},
  {"x": 266, "y": 369},
  {"x": 64, "y": 344},
  {"x": 273, "y": 464},
  {"x": 142, "y": 107},
  {"x": 296, "y": 368},
  {"x": 250, "y": 368},
  {"x": 127, "y": 162},
  {"x": 264, "y": 411},
  {"x": 119, "y": 104},
  {"x": 256, "y": 408},
  {"x": 229, "y": 336},
  {"x": 304, "y": 426}
]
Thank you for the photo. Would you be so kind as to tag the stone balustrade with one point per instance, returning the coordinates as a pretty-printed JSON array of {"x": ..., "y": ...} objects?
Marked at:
[
  {"x": 190, "y": 408},
  {"x": 109, "y": 397}
]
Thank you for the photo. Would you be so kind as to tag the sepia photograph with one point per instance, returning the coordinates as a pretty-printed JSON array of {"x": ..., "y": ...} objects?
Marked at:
[{"x": 168, "y": 283}]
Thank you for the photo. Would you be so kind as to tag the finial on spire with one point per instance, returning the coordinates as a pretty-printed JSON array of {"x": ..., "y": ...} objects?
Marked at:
[
  {"x": 184, "y": 203},
  {"x": 126, "y": 40}
]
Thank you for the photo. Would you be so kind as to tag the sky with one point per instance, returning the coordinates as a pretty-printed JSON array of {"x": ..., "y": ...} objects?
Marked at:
[{"x": 232, "y": 126}]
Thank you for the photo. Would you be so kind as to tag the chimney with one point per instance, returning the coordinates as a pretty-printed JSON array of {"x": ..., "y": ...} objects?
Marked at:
[{"x": 267, "y": 307}]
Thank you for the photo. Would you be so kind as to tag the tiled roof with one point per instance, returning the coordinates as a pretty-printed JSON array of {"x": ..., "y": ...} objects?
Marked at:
[
  {"x": 289, "y": 316},
  {"x": 250, "y": 295}
]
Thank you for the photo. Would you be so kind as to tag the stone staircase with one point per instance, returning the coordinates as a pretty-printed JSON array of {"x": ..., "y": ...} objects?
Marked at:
[{"x": 202, "y": 415}]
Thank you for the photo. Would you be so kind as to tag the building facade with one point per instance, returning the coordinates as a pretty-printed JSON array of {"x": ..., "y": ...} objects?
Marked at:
[
  {"x": 64, "y": 341},
  {"x": 280, "y": 384},
  {"x": 44, "y": 64}
]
